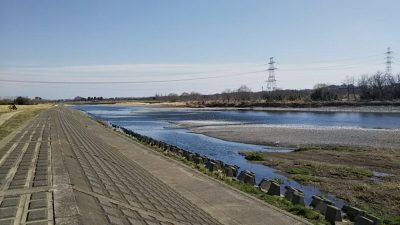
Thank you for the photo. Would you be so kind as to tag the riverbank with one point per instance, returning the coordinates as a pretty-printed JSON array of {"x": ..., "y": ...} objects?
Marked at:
[
  {"x": 366, "y": 179},
  {"x": 376, "y": 107},
  {"x": 295, "y": 136}
]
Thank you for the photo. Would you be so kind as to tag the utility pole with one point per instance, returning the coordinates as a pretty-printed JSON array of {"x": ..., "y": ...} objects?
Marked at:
[
  {"x": 271, "y": 81},
  {"x": 389, "y": 61}
]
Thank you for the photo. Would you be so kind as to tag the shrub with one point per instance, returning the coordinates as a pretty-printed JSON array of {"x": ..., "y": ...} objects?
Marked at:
[{"x": 254, "y": 156}]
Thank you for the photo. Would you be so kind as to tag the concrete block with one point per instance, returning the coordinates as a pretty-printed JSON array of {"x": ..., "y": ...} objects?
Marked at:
[
  {"x": 315, "y": 200},
  {"x": 352, "y": 212},
  {"x": 247, "y": 177},
  {"x": 322, "y": 205},
  {"x": 361, "y": 220},
  {"x": 232, "y": 168},
  {"x": 289, "y": 192},
  {"x": 333, "y": 214},
  {"x": 264, "y": 184},
  {"x": 212, "y": 166},
  {"x": 298, "y": 198},
  {"x": 274, "y": 189},
  {"x": 230, "y": 171},
  {"x": 189, "y": 156},
  {"x": 294, "y": 195},
  {"x": 179, "y": 152},
  {"x": 198, "y": 160},
  {"x": 220, "y": 163},
  {"x": 250, "y": 179},
  {"x": 375, "y": 219}
]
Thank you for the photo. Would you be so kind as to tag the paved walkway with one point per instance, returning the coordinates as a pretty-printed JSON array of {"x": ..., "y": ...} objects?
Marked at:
[{"x": 63, "y": 168}]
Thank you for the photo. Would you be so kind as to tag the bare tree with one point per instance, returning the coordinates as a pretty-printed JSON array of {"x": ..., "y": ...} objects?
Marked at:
[{"x": 349, "y": 83}]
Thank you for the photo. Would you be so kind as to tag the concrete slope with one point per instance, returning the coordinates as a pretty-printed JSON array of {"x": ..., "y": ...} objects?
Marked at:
[{"x": 63, "y": 168}]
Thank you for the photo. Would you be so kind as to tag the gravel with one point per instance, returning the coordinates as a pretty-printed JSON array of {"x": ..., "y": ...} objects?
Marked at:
[{"x": 294, "y": 135}]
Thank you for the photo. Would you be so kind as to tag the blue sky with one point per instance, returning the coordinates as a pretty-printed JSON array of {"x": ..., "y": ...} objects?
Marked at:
[{"x": 82, "y": 40}]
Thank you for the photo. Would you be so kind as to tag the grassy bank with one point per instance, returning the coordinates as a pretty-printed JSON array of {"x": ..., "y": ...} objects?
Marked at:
[
  {"x": 24, "y": 114},
  {"x": 348, "y": 173}
]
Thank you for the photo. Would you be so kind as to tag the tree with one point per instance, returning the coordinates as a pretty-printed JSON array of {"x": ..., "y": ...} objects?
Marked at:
[
  {"x": 349, "y": 83},
  {"x": 22, "y": 101},
  {"x": 79, "y": 98},
  {"x": 243, "y": 88},
  {"x": 320, "y": 85},
  {"x": 323, "y": 94}
]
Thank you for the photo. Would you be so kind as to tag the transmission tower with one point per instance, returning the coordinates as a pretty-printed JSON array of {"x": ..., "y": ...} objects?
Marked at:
[
  {"x": 389, "y": 61},
  {"x": 271, "y": 81}
]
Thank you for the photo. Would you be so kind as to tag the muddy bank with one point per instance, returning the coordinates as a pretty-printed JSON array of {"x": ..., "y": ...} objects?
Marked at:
[{"x": 298, "y": 135}]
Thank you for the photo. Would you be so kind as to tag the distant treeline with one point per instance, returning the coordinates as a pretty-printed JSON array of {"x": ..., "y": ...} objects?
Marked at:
[
  {"x": 21, "y": 101},
  {"x": 378, "y": 88}
]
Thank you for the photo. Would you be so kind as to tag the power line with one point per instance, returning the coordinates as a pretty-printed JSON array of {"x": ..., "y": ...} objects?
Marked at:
[
  {"x": 348, "y": 59},
  {"x": 127, "y": 82}
]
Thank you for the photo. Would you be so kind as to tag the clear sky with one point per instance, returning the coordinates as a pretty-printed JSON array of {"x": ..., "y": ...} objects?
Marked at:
[{"x": 313, "y": 41}]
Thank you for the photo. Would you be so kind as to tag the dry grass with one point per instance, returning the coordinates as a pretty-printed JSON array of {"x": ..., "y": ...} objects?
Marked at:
[
  {"x": 348, "y": 174},
  {"x": 4, "y": 108},
  {"x": 26, "y": 112}
]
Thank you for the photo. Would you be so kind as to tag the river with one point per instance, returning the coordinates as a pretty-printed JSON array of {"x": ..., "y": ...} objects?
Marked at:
[{"x": 158, "y": 123}]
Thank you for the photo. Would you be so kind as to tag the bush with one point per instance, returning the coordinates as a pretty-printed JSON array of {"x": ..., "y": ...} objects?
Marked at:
[
  {"x": 22, "y": 101},
  {"x": 254, "y": 156},
  {"x": 323, "y": 94}
]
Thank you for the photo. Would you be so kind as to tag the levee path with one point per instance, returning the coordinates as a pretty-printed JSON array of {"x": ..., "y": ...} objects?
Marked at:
[{"x": 64, "y": 168}]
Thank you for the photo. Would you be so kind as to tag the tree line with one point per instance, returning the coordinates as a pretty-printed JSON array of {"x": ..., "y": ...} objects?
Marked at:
[{"x": 376, "y": 87}]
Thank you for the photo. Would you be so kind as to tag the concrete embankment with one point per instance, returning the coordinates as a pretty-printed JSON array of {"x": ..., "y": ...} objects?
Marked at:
[{"x": 323, "y": 206}]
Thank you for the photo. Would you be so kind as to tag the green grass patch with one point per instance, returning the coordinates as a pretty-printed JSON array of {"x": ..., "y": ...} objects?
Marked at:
[
  {"x": 306, "y": 178},
  {"x": 253, "y": 156},
  {"x": 392, "y": 221},
  {"x": 299, "y": 170},
  {"x": 360, "y": 172},
  {"x": 331, "y": 148},
  {"x": 350, "y": 172}
]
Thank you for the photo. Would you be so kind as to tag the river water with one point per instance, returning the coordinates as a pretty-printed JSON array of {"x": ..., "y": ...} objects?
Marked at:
[{"x": 158, "y": 123}]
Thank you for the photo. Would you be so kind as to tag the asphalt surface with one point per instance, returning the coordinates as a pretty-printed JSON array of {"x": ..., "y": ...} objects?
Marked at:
[{"x": 58, "y": 169}]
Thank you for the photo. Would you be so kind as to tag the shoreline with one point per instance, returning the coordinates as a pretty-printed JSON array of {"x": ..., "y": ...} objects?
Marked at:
[
  {"x": 344, "y": 108},
  {"x": 299, "y": 136}
]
